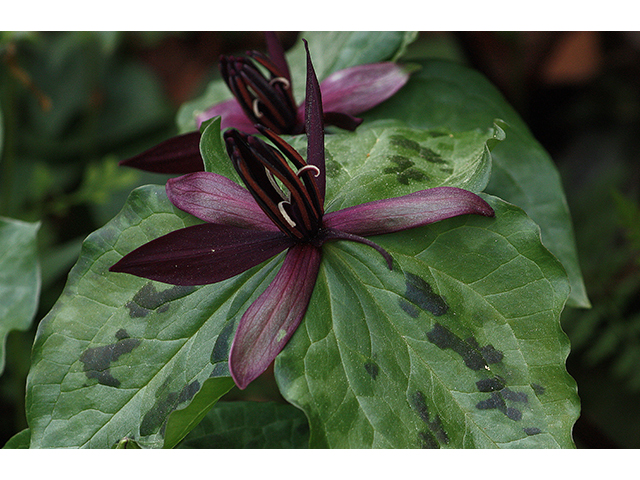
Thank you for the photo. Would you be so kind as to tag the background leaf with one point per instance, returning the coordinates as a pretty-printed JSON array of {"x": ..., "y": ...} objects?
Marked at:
[
  {"x": 459, "y": 346},
  {"x": 456, "y": 98},
  {"x": 250, "y": 425},
  {"x": 19, "y": 278}
]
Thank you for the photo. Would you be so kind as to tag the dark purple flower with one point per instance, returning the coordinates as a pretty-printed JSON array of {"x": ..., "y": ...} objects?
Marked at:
[
  {"x": 281, "y": 209},
  {"x": 268, "y": 101}
]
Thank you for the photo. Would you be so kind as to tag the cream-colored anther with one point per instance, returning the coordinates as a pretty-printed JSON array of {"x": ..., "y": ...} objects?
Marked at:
[
  {"x": 256, "y": 111},
  {"x": 316, "y": 170},
  {"x": 285, "y": 215},
  {"x": 285, "y": 83}
]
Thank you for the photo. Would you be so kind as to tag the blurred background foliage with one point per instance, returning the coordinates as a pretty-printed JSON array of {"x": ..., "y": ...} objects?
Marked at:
[{"x": 72, "y": 104}]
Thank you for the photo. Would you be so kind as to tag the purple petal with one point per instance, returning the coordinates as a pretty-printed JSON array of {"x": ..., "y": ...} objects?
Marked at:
[
  {"x": 232, "y": 116},
  {"x": 216, "y": 199},
  {"x": 177, "y": 155},
  {"x": 202, "y": 254},
  {"x": 270, "y": 321},
  {"x": 276, "y": 54},
  {"x": 410, "y": 211},
  {"x": 359, "y": 88},
  {"x": 314, "y": 125}
]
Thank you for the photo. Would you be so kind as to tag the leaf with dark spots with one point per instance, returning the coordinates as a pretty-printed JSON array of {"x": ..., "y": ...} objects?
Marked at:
[
  {"x": 431, "y": 156},
  {"x": 97, "y": 360},
  {"x": 427, "y": 440},
  {"x": 494, "y": 401},
  {"x": 421, "y": 294},
  {"x": 155, "y": 419},
  {"x": 404, "y": 170},
  {"x": 497, "y": 400},
  {"x": 419, "y": 404},
  {"x": 372, "y": 369},
  {"x": 515, "y": 396},
  {"x": 444, "y": 338},
  {"x": 149, "y": 298},
  {"x": 490, "y": 384},
  {"x": 538, "y": 389},
  {"x": 220, "y": 352},
  {"x": 532, "y": 431}
]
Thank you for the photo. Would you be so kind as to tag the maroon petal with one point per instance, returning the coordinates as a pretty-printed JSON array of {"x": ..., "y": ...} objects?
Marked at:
[
  {"x": 232, "y": 116},
  {"x": 359, "y": 88},
  {"x": 314, "y": 125},
  {"x": 276, "y": 54},
  {"x": 216, "y": 199},
  {"x": 270, "y": 321},
  {"x": 202, "y": 254},
  {"x": 410, "y": 211},
  {"x": 177, "y": 155}
]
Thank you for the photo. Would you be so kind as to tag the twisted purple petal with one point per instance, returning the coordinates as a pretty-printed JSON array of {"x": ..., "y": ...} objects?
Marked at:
[
  {"x": 232, "y": 116},
  {"x": 409, "y": 211},
  {"x": 270, "y": 321},
  {"x": 216, "y": 199},
  {"x": 180, "y": 154},
  {"x": 357, "y": 89},
  {"x": 202, "y": 254}
]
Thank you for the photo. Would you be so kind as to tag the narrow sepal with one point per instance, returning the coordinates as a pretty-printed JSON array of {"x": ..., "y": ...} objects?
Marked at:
[
  {"x": 409, "y": 211},
  {"x": 314, "y": 125},
  {"x": 202, "y": 254},
  {"x": 276, "y": 54},
  {"x": 272, "y": 318},
  {"x": 216, "y": 199},
  {"x": 177, "y": 155}
]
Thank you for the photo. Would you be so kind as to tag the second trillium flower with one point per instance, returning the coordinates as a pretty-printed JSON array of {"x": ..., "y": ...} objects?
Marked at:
[{"x": 281, "y": 209}]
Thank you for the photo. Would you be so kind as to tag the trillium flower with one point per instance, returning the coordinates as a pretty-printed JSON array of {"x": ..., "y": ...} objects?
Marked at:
[
  {"x": 268, "y": 101},
  {"x": 282, "y": 209}
]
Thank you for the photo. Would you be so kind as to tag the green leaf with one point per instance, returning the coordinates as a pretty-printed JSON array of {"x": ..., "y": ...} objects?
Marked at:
[
  {"x": 19, "y": 440},
  {"x": 181, "y": 422},
  {"x": 449, "y": 96},
  {"x": 118, "y": 354},
  {"x": 459, "y": 346},
  {"x": 250, "y": 425},
  {"x": 214, "y": 153},
  {"x": 19, "y": 278},
  {"x": 330, "y": 51}
]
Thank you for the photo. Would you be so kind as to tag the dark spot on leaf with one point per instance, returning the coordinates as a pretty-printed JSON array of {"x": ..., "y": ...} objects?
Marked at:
[
  {"x": 403, "y": 142},
  {"x": 538, "y": 389},
  {"x": 490, "y": 384},
  {"x": 97, "y": 360},
  {"x": 149, "y": 298},
  {"x": 431, "y": 156},
  {"x": 532, "y": 431},
  {"x": 419, "y": 404},
  {"x": 513, "y": 414},
  {"x": 409, "y": 308},
  {"x": 515, "y": 396},
  {"x": 372, "y": 369},
  {"x": 155, "y": 419},
  {"x": 498, "y": 400},
  {"x": 421, "y": 294},
  {"x": 473, "y": 356},
  {"x": 220, "y": 352},
  {"x": 404, "y": 170},
  {"x": 447, "y": 170},
  {"x": 427, "y": 440},
  {"x": 494, "y": 401},
  {"x": 491, "y": 355}
]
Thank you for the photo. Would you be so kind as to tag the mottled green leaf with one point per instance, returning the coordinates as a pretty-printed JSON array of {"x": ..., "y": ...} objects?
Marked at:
[
  {"x": 19, "y": 440},
  {"x": 19, "y": 278},
  {"x": 443, "y": 95},
  {"x": 460, "y": 346},
  {"x": 250, "y": 425}
]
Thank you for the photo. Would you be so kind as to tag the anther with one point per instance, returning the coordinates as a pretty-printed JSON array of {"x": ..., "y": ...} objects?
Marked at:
[
  {"x": 285, "y": 215},
  {"x": 316, "y": 170},
  {"x": 256, "y": 111},
  {"x": 285, "y": 83}
]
